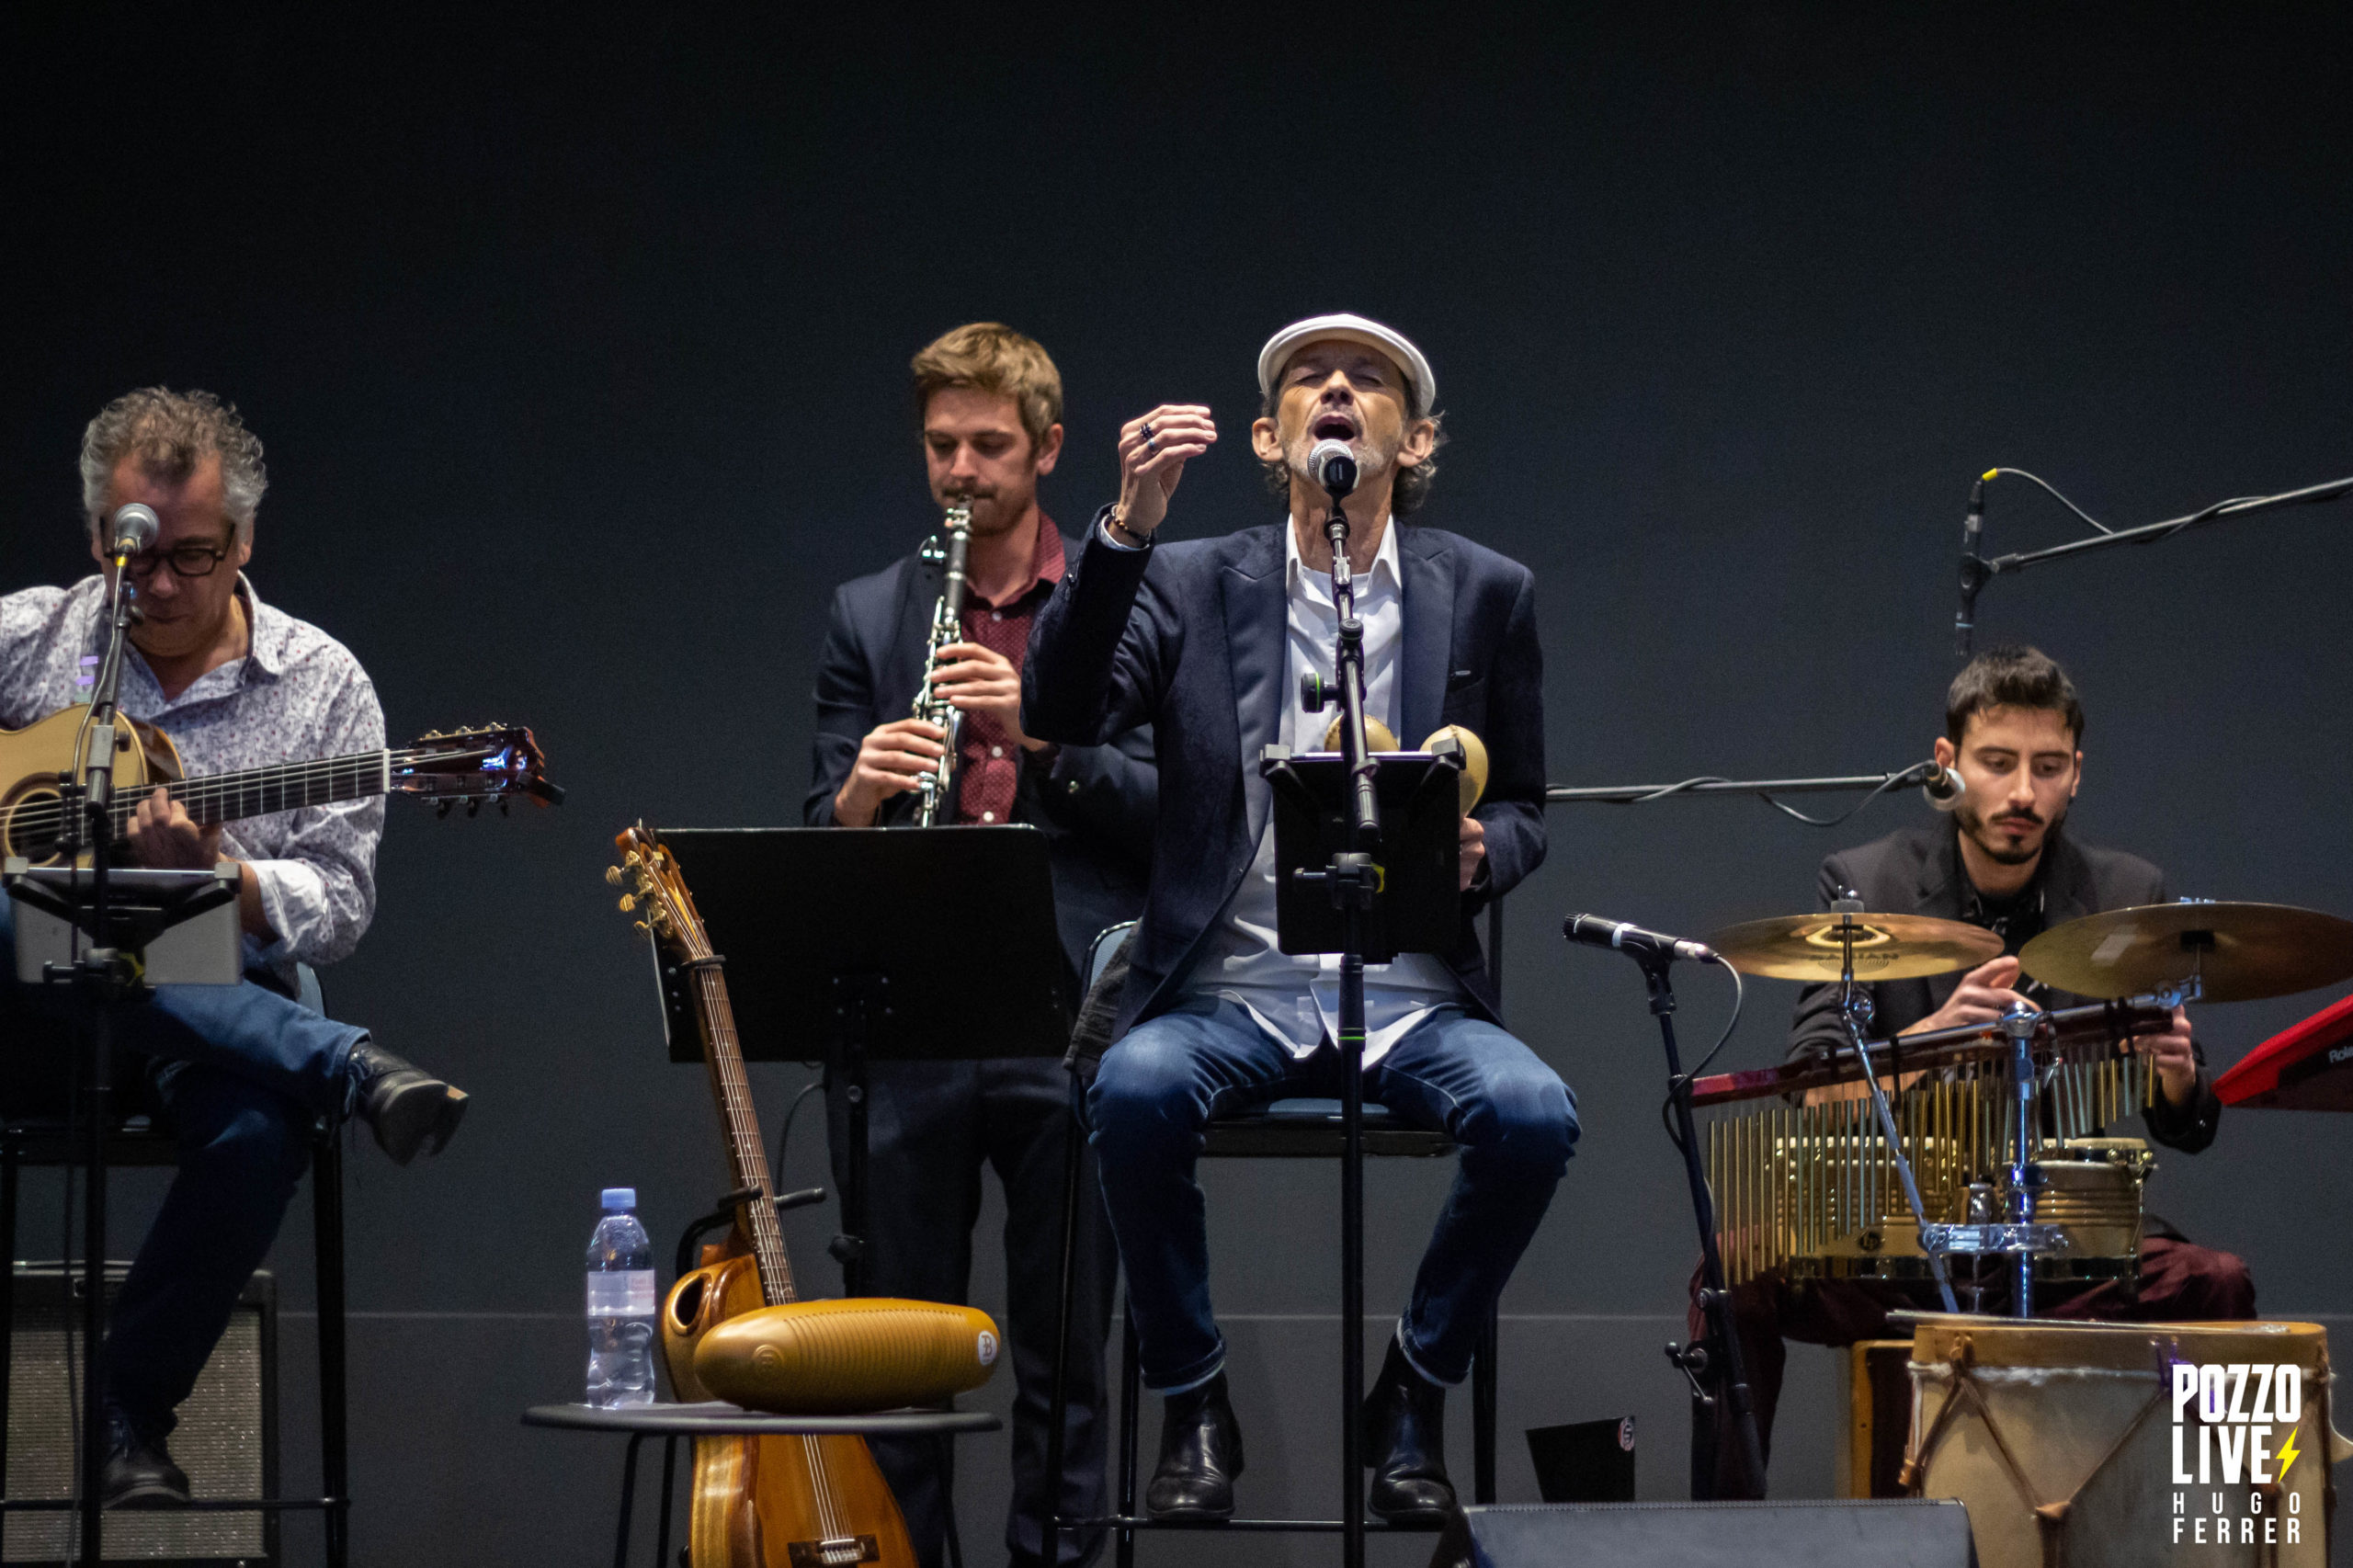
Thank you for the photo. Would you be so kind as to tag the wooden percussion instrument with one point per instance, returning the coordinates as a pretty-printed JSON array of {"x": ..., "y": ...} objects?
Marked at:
[{"x": 2070, "y": 1442}]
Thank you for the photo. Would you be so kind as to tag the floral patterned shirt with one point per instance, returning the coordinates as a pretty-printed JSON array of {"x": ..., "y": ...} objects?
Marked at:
[{"x": 298, "y": 695}]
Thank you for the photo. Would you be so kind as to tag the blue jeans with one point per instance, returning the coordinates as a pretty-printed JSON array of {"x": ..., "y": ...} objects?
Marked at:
[
  {"x": 1167, "y": 1078},
  {"x": 244, "y": 1071}
]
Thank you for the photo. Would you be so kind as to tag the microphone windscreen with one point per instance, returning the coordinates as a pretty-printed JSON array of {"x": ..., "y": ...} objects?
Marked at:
[
  {"x": 131, "y": 528},
  {"x": 1334, "y": 465}
]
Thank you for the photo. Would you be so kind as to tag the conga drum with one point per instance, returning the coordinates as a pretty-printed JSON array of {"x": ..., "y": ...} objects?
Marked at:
[{"x": 2127, "y": 1445}]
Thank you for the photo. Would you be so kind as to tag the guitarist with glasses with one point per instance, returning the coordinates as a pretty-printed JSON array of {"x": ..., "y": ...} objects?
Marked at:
[{"x": 243, "y": 1071}]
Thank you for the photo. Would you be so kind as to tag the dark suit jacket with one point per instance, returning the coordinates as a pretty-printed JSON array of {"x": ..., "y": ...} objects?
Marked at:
[
  {"x": 1918, "y": 870},
  {"x": 1190, "y": 637},
  {"x": 1094, "y": 803}
]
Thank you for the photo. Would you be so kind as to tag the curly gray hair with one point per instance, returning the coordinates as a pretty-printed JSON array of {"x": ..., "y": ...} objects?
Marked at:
[{"x": 170, "y": 432}]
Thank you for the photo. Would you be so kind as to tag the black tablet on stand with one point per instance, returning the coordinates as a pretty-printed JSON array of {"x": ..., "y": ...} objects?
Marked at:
[{"x": 846, "y": 945}]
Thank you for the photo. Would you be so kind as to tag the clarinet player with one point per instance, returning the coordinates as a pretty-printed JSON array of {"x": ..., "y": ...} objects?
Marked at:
[{"x": 988, "y": 401}]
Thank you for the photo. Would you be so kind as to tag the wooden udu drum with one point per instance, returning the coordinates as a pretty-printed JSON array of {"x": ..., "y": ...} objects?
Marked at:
[{"x": 2127, "y": 1445}]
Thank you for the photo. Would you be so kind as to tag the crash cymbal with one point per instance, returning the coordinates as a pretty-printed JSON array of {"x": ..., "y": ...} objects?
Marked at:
[
  {"x": 2241, "y": 953},
  {"x": 1887, "y": 947}
]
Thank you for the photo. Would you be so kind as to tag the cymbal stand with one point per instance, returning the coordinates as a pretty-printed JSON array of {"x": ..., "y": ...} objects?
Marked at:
[{"x": 1855, "y": 1010}]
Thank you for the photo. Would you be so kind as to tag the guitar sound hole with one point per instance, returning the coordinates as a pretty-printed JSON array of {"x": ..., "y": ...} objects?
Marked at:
[
  {"x": 34, "y": 826},
  {"x": 686, "y": 1305}
]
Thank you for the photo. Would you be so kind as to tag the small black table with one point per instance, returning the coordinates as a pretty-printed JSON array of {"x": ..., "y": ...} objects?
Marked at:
[{"x": 717, "y": 1419}]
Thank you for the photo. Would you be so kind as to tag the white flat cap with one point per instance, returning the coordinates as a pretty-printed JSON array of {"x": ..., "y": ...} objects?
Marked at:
[{"x": 1351, "y": 329}]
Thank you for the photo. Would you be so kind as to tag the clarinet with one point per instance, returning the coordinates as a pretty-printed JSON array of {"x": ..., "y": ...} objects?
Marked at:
[{"x": 937, "y": 787}]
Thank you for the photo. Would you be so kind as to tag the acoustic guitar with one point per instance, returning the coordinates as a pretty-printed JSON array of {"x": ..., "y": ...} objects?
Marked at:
[
  {"x": 768, "y": 1502},
  {"x": 496, "y": 762}
]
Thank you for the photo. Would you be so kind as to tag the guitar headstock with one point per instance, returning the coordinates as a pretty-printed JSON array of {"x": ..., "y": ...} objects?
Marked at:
[
  {"x": 495, "y": 761},
  {"x": 656, "y": 893}
]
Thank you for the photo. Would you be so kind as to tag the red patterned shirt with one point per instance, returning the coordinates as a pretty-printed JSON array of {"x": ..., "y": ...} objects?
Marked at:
[{"x": 988, "y": 758}]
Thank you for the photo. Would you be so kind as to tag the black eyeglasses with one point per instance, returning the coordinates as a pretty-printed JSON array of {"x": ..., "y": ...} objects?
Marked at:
[{"x": 186, "y": 561}]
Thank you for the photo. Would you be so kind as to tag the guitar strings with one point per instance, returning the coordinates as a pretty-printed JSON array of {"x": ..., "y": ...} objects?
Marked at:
[{"x": 47, "y": 817}]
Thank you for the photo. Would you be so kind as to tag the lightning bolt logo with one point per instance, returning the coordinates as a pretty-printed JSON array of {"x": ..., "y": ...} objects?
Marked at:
[{"x": 2288, "y": 1455}]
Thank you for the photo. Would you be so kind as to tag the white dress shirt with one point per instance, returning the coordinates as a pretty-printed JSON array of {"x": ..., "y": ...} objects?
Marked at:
[{"x": 1296, "y": 999}]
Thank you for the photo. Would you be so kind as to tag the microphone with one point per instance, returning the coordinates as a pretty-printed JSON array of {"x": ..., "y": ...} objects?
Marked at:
[
  {"x": 1633, "y": 940},
  {"x": 132, "y": 529},
  {"x": 1973, "y": 569},
  {"x": 1334, "y": 466},
  {"x": 1943, "y": 788}
]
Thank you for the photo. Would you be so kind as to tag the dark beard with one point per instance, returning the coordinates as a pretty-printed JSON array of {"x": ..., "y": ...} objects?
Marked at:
[{"x": 1972, "y": 823}]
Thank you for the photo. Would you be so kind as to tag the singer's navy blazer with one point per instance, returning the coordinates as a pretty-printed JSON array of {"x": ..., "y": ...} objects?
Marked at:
[
  {"x": 1094, "y": 803},
  {"x": 1190, "y": 636}
]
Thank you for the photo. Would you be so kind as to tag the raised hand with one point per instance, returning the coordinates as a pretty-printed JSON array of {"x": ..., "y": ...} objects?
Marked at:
[{"x": 1153, "y": 454}]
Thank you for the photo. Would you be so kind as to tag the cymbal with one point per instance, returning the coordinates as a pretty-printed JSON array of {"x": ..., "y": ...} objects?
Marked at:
[
  {"x": 2242, "y": 952},
  {"x": 1887, "y": 947}
]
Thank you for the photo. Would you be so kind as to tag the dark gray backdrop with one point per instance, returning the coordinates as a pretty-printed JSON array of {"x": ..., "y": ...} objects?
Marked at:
[{"x": 579, "y": 350}]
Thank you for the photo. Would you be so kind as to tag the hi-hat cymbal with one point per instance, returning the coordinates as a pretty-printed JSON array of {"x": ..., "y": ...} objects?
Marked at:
[
  {"x": 1887, "y": 947},
  {"x": 2240, "y": 952}
]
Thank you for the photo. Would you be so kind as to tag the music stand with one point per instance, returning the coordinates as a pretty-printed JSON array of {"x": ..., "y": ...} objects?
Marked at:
[
  {"x": 853, "y": 945},
  {"x": 1367, "y": 866}
]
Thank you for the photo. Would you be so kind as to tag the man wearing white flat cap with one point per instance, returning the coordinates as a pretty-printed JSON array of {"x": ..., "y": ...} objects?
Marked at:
[{"x": 1205, "y": 640}]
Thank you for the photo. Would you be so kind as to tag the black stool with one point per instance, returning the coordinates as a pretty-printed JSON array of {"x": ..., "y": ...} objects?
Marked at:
[
  {"x": 715, "y": 1419},
  {"x": 138, "y": 1141},
  {"x": 1283, "y": 1128}
]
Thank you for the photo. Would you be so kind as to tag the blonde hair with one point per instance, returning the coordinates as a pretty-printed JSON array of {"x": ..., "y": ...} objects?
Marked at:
[{"x": 992, "y": 357}]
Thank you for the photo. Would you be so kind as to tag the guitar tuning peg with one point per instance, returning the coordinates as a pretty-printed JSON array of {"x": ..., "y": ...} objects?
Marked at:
[
  {"x": 443, "y": 808},
  {"x": 613, "y": 875},
  {"x": 643, "y": 926},
  {"x": 628, "y": 904},
  {"x": 473, "y": 808},
  {"x": 505, "y": 806}
]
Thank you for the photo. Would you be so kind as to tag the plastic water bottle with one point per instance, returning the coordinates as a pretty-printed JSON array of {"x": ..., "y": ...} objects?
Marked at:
[{"x": 621, "y": 1306}]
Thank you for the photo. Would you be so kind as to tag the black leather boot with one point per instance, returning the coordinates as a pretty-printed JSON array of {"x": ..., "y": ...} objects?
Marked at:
[
  {"x": 405, "y": 1104},
  {"x": 1405, "y": 1445},
  {"x": 139, "y": 1473},
  {"x": 1200, "y": 1453}
]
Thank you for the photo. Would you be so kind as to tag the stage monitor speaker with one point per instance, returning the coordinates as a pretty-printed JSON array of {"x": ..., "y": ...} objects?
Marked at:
[
  {"x": 1903, "y": 1534},
  {"x": 226, "y": 1440}
]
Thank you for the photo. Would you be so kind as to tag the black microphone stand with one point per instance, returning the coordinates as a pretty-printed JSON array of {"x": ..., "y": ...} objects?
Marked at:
[
  {"x": 1715, "y": 1300},
  {"x": 108, "y": 978},
  {"x": 1640, "y": 794},
  {"x": 1352, "y": 879},
  {"x": 1976, "y": 570}
]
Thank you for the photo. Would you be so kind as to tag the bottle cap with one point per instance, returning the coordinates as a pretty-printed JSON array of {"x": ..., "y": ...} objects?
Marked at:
[{"x": 619, "y": 1197}]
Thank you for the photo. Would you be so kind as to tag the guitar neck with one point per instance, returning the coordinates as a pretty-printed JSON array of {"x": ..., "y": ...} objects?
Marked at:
[
  {"x": 284, "y": 787},
  {"x": 747, "y": 1159}
]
